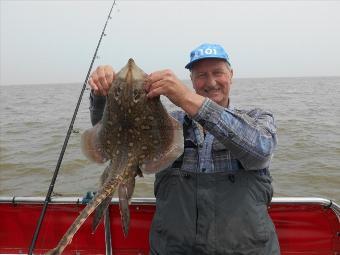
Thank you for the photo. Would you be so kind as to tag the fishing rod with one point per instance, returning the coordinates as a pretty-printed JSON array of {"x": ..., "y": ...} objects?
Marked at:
[{"x": 61, "y": 155}]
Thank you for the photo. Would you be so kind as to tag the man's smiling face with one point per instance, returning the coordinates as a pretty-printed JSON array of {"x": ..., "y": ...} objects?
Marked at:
[{"x": 212, "y": 78}]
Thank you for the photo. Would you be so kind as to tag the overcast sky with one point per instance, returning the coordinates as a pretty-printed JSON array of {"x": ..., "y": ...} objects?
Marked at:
[{"x": 54, "y": 41}]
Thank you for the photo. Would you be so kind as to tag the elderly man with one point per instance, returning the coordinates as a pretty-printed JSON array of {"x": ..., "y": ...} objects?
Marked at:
[{"x": 214, "y": 198}]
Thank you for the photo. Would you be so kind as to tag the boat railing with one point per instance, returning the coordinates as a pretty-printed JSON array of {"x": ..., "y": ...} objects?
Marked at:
[{"x": 150, "y": 200}]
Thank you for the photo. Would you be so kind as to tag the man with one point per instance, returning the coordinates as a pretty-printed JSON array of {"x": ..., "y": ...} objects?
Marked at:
[{"x": 214, "y": 198}]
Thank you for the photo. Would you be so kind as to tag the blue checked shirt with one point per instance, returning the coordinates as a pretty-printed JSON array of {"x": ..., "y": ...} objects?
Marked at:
[{"x": 222, "y": 139}]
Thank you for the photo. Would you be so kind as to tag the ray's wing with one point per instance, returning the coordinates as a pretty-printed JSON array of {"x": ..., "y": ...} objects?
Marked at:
[
  {"x": 91, "y": 146},
  {"x": 99, "y": 143},
  {"x": 163, "y": 141}
]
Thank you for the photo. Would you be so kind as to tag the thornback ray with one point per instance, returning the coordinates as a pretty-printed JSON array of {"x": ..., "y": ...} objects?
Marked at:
[{"x": 137, "y": 135}]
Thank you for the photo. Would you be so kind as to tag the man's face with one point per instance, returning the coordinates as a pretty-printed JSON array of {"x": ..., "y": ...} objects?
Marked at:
[{"x": 212, "y": 78}]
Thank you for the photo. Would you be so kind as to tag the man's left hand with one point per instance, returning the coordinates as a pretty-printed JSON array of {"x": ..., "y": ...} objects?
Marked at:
[{"x": 166, "y": 83}]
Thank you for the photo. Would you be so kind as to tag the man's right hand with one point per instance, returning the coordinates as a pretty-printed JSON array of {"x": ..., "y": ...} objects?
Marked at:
[{"x": 101, "y": 79}]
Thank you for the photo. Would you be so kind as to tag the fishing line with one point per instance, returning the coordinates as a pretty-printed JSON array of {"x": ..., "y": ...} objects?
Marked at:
[{"x": 61, "y": 155}]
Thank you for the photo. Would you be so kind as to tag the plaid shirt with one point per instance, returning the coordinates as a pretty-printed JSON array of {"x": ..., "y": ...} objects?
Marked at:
[
  {"x": 233, "y": 139},
  {"x": 219, "y": 139}
]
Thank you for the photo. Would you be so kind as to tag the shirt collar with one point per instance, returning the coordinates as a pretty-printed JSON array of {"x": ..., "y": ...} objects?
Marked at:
[{"x": 230, "y": 106}]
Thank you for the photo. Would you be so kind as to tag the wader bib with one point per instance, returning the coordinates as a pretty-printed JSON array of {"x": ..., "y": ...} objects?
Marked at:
[{"x": 216, "y": 213}]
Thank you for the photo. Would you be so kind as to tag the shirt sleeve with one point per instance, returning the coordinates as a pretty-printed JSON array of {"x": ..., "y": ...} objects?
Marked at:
[
  {"x": 249, "y": 135},
  {"x": 97, "y": 104}
]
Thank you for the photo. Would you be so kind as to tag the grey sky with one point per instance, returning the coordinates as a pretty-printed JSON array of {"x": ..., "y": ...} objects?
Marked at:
[{"x": 53, "y": 41}]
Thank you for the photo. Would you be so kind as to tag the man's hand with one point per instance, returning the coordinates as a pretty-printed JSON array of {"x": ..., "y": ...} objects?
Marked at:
[
  {"x": 166, "y": 83},
  {"x": 101, "y": 79}
]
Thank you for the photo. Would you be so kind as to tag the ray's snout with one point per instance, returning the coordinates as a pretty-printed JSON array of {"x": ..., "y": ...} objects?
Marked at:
[
  {"x": 131, "y": 72},
  {"x": 131, "y": 62}
]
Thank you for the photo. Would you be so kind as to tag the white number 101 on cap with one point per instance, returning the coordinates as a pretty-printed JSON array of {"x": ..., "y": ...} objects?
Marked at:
[{"x": 207, "y": 51}]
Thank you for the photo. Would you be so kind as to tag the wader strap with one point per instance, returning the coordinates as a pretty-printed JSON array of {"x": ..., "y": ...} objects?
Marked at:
[{"x": 186, "y": 122}]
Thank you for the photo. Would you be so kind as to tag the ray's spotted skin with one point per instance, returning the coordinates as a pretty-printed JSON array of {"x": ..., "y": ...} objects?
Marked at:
[{"x": 137, "y": 135}]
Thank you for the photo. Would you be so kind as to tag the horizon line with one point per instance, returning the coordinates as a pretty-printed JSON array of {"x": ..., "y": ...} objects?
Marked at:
[{"x": 187, "y": 79}]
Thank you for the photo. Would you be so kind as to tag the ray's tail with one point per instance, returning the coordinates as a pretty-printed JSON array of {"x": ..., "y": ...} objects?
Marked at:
[{"x": 107, "y": 189}]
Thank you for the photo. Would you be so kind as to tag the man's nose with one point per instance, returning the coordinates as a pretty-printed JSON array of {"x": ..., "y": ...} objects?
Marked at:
[{"x": 211, "y": 81}]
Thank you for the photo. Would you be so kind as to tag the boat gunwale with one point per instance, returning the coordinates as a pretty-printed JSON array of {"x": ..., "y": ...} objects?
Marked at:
[{"x": 151, "y": 201}]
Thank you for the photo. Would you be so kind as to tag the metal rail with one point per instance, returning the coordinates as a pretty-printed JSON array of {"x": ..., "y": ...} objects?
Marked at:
[
  {"x": 151, "y": 201},
  {"x": 107, "y": 227}
]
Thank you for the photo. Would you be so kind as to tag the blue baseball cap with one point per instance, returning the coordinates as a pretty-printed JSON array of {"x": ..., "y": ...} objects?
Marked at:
[{"x": 207, "y": 50}]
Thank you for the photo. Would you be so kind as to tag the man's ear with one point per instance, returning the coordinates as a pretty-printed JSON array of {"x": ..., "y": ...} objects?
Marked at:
[{"x": 192, "y": 80}]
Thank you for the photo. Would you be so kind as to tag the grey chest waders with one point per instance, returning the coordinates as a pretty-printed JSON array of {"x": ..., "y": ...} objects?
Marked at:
[{"x": 216, "y": 213}]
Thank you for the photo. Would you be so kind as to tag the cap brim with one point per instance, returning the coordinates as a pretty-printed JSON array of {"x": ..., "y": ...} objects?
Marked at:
[{"x": 189, "y": 65}]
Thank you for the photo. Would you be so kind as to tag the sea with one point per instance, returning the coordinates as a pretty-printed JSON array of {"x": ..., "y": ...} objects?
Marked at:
[{"x": 34, "y": 120}]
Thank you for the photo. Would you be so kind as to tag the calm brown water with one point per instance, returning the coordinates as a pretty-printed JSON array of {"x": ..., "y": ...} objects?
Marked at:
[{"x": 34, "y": 121}]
